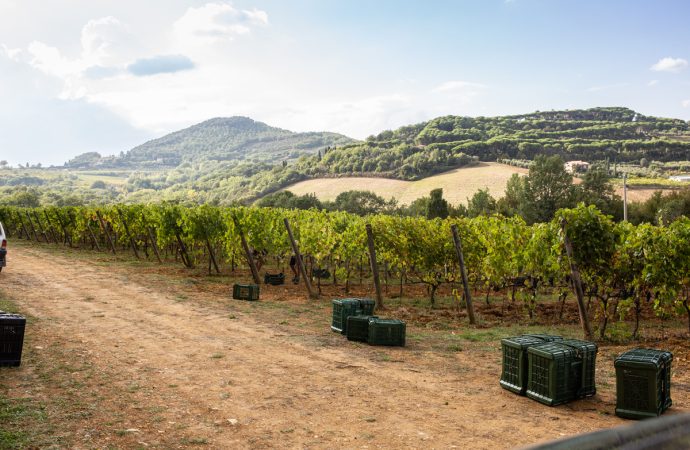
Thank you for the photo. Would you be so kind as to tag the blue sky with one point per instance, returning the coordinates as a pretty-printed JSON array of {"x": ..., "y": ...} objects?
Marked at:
[{"x": 79, "y": 75}]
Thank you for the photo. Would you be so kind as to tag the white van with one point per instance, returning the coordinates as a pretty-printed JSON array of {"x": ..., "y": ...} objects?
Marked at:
[{"x": 3, "y": 248}]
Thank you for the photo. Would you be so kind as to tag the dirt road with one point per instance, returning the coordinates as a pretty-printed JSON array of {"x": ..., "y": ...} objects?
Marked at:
[{"x": 156, "y": 369}]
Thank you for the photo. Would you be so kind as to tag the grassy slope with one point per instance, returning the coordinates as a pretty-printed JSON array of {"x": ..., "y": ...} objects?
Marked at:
[{"x": 458, "y": 184}]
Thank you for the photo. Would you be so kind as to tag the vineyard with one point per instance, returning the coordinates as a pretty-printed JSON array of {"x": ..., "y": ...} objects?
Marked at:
[{"x": 624, "y": 269}]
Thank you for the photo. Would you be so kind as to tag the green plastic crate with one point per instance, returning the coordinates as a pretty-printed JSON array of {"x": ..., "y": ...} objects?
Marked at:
[
  {"x": 545, "y": 337},
  {"x": 514, "y": 371},
  {"x": 587, "y": 353},
  {"x": 367, "y": 305},
  {"x": 554, "y": 373},
  {"x": 358, "y": 328},
  {"x": 386, "y": 332},
  {"x": 643, "y": 383},
  {"x": 245, "y": 292},
  {"x": 342, "y": 309}
]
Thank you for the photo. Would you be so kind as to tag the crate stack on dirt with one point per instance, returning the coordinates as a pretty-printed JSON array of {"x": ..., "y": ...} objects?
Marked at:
[
  {"x": 354, "y": 318},
  {"x": 11, "y": 338},
  {"x": 549, "y": 369},
  {"x": 643, "y": 383}
]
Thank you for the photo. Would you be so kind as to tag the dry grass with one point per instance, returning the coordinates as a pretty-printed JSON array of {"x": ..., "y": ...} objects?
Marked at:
[{"x": 457, "y": 185}]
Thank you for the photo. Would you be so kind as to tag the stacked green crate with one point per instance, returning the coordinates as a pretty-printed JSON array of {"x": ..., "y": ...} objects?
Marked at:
[
  {"x": 587, "y": 353},
  {"x": 358, "y": 328},
  {"x": 545, "y": 337},
  {"x": 367, "y": 305},
  {"x": 643, "y": 383},
  {"x": 245, "y": 292},
  {"x": 342, "y": 309},
  {"x": 555, "y": 373},
  {"x": 386, "y": 332},
  {"x": 514, "y": 373}
]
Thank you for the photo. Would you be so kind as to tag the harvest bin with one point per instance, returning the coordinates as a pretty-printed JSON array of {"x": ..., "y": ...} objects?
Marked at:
[
  {"x": 386, "y": 332},
  {"x": 245, "y": 292},
  {"x": 358, "y": 328},
  {"x": 555, "y": 373},
  {"x": 643, "y": 383},
  {"x": 275, "y": 279},
  {"x": 587, "y": 354},
  {"x": 514, "y": 372},
  {"x": 346, "y": 307},
  {"x": 11, "y": 339}
]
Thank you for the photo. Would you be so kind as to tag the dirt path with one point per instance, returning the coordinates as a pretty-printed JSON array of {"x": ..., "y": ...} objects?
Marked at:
[{"x": 171, "y": 374}]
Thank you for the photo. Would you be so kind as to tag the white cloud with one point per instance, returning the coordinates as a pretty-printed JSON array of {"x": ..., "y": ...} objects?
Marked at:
[
  {"x": 669, "y": 64},
  {"x": 458, "y": 86},
  {"x": 217, "y": 22},
  {"x": 653, "y": 83},
  {"x": 685, "y": 103},
  {"x": 607, "y": 87}
]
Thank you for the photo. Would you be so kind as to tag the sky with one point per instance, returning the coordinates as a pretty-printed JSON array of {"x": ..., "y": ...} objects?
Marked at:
[{"x": 106, "y": 75}]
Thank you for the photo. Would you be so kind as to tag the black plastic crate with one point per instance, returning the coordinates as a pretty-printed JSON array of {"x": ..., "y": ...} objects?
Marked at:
[
  {"x": 275, "y": 279},
  {"x": 587, "y": 353},
  {"x": 514, "y": 372},
  {"x": 342, "y": 309},
  {"x": 3, "y": 257},
  {"x": 11, "y": 339},
  {"x": 245, "y": 292},
  {"x": 320, "y": 273},
  {"x": 358, "y": 328},
  {"x": 643, "y": 383},
  {"x": 389, "y": 332},
  {"x": 555, "y": 373}
]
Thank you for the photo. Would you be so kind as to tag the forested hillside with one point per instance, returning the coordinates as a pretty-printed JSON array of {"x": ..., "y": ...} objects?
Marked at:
[
  {"x": 219, "y": 139},
  {"x": 411, "y": 152}
]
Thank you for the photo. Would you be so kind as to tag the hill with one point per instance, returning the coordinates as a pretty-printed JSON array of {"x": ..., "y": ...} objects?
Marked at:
[
  {"x": 458, "y": 185},
  {"x": 219, "y": 139}
]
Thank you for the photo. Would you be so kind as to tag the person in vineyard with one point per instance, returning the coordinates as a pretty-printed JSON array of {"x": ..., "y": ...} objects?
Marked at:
[
  {"x": 295, "y": 270},
  {"x": 259, "y": 258}
]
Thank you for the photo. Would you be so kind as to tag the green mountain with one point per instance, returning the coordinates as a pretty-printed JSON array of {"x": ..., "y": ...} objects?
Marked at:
[{"x": 219, "y": 139}]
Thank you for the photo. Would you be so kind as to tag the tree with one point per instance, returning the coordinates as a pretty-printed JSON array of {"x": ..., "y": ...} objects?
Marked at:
[
  {"x": 596, "y": 189},
  {"x": 362, "y": 203},
  {"x": 438, "y": 206},
  {"x": 548, "y": 187},
  {"x": 481, "y": 204},
  {"x": 514, "y": 198}
]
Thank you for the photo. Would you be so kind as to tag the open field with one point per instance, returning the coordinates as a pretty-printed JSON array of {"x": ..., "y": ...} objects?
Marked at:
[
  {"x": 458, "y": 185},
  {"x": 122, "y": 353}
]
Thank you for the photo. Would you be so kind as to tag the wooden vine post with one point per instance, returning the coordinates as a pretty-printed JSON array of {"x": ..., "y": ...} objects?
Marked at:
[
  {"x": 24, "y": 229},
  {"x": 186, "y": 260},
  {"x": 105, "y": 230},
  {"x": 247, "y": 252},
  {"x": 463, "y": 273},
  {"x": 577, "y": 284},
  {"x": 68, "y": 239},
  {"x": 211, "y": 253},
  {"x": 33, "y": 228},
  {"x": 40, "y": 227},
  {"x": 299, "y": 261},
  {"x": 51, "y": 228},
  {"x": 374, "y": 266},
  {"x": 93, "y": 236},
  {"x": 152, "y": 238},
  {"x": 132, "y": 242}
]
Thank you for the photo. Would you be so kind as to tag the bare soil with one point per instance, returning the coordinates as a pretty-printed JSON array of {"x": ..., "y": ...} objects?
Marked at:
[{"x": 135, "y": 355}]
